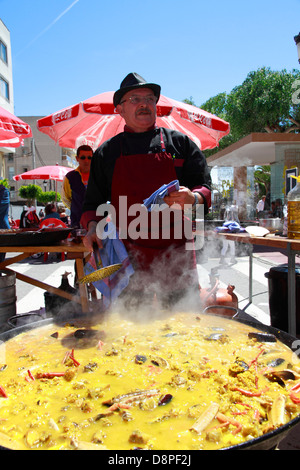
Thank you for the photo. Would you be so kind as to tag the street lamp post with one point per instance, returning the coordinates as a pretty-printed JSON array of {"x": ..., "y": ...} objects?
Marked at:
[{"x": 297, "y": 41}]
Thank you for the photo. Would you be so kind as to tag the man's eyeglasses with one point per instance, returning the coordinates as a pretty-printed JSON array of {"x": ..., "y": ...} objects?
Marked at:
[
  {"x": 139, "y": 99},
  {"x": 83, "y": 158}
]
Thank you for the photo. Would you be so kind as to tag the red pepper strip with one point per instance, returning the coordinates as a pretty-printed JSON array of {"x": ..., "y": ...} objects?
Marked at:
[
  {"x": 226, "y": 419},
  {"x": 247, "y": 393},
  {"x": 3, "y": 392},
  {"x": 154, "y": 369},
  {"x": 117, "y": 406},
  {"x": 293, "y": 391},
  {"x": 67, "y": 355},
  {"x": 49, "y": 375},
  {"x": 76, "y": 363},
  {"x": 220, "y": 425},
  {"x": 30, "y": 375},
  {"x": 295, "y": 387},
  {"x": 254, "y": 361},
  {"x": 294, "y": 398},
  {"x": 256, "y": 415}
]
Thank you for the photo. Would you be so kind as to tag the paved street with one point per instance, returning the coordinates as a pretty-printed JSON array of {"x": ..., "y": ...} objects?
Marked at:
[{"x": 30, "y": 298}]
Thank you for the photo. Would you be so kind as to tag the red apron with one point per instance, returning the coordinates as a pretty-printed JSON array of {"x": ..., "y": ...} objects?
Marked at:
[{"x": 159, "y": 260}]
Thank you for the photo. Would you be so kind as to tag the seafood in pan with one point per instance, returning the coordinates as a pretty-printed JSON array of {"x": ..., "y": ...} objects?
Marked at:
[{"x": 176, "y": 383}]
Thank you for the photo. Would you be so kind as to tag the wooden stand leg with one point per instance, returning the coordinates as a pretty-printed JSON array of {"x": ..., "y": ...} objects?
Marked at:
[{"x": 82, "y": 287}]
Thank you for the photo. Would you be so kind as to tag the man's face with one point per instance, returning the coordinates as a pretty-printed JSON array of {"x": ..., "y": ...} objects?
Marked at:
[
  {"x": 84, "y": 160},
  {"x": 138, "y": 108}
]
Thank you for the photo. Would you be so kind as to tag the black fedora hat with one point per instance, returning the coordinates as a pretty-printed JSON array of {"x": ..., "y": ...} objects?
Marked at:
[{"x": 131, "y": 82}]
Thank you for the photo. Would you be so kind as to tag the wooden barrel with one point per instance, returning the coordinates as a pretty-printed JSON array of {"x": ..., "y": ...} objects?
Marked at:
[{"x": 7, "y": 295}]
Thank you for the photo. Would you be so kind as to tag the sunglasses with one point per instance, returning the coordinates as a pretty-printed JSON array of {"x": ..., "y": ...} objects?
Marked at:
[{"x": 83, "y": 158}]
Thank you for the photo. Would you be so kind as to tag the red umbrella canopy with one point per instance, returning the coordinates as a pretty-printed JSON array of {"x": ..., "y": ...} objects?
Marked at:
[
  {"x": 12, "y": 129},
  {"x": 95, "y": 120},
  {"x": 50, "y": 172}
]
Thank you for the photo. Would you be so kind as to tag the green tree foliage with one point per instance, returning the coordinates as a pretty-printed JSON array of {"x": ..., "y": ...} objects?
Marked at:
[
  {"x": 5, "y": 183},
  {"x": 32, "y": 192},
  {"x": 49, "y": 196},
  {"x": 267, "y": 101},
  {"x": 264, "y": 103},
  {"x": 262, "y": 176}
]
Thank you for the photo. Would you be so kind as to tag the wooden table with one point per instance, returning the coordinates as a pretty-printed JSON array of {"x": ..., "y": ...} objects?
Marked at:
[
  {"x": 292, "y": 248},
  {"x": 76, "y": 251}
]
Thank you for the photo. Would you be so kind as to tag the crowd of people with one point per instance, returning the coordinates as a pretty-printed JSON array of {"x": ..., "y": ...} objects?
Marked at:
[
  {"x": 265, "y": 210},
  {"x": 30, "y": 219}
]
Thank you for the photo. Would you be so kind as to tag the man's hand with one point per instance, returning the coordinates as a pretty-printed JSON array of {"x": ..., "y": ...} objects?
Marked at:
[
  {"x": 181, "y": 198},
  {"x": 91, "y": 237}
]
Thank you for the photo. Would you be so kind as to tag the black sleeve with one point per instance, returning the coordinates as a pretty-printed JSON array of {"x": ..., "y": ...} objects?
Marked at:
[
  {"x": 191, "y": 167},
  {"x": 195, "y": 171}
]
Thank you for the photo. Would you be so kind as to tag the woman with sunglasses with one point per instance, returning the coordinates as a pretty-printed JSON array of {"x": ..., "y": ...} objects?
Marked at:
[{"x": 75, "y": 184}]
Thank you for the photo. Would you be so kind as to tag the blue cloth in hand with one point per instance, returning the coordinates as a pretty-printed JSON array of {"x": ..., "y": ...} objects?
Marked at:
[
  {"x": 157, "y": 198},
  {"x": 113, "y": 252}
]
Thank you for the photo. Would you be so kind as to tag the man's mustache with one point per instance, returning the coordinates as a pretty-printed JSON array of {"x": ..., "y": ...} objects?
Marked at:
[{"x": 143, "y": 111}]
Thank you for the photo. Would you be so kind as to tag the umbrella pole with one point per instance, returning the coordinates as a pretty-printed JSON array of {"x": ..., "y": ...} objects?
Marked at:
[{"x": 33, "y": 165}]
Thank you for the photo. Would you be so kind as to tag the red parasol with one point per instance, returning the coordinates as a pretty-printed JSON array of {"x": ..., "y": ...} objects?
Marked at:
[
  {"x": 12, "y": 129},
  {"x": 50, "y": 172},
  {"x": 95, "y": 120}
]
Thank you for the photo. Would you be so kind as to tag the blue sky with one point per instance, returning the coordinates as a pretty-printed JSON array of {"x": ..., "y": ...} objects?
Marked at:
[{"x": 65, "y": 51}]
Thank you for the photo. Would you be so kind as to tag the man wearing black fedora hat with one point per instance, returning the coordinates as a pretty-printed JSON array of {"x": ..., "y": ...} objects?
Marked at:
[{"x": 133, "y": 165}]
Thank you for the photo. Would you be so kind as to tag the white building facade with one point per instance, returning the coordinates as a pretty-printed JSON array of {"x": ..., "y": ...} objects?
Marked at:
[{"x": 6, "y": 84}]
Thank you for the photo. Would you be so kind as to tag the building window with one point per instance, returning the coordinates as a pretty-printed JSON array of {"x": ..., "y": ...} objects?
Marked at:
[
  {"x": 3, "y": 52},
  {"x": 4, "y": 88},
  {"x": 11, "y": 172}
]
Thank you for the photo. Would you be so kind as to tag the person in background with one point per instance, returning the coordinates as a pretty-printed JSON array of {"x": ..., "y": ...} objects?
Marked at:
[
  {"x": 63, "y": 216},
  {"x": 4, "y": 208},
  {"x": 134, "y": 164},
  {"x": 278, "y": 209},
  {"x": 29, "y": 217},
  {"x": 75, "y": 184},
  {"x": 51, "y": 212},
  {"x": 260, "y": 206}
]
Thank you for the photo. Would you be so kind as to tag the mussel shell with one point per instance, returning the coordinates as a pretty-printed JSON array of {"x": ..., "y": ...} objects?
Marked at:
[
  {"x": 85, "y": 333},
  {"x": 242, "y": 364},
  {"x": 214, "y": 337},
  {"x": 140, "y": 359},
  {"x": 280, "y": 376},
  {"x": 276, "y": 362},
  {"x": 262, "y": 337},
  {"x": 165, "y": 399}
]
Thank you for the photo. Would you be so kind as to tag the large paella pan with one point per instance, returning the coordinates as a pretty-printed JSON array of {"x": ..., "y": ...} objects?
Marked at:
[{"x": 181, "y": 382}]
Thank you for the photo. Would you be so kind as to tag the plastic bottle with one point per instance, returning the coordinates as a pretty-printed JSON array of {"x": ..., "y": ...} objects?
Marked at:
[
  {"x": 285, "y": 220},
  {"x": 231, "y": 214},
  {"x": 293, "y": 204}
]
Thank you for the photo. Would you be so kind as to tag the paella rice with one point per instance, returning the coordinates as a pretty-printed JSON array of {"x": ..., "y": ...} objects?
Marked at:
[{"x": 179, "y": 383}]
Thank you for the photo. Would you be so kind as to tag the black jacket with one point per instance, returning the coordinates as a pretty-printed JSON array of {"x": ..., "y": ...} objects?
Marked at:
[{"x": 190, "y": 165}]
